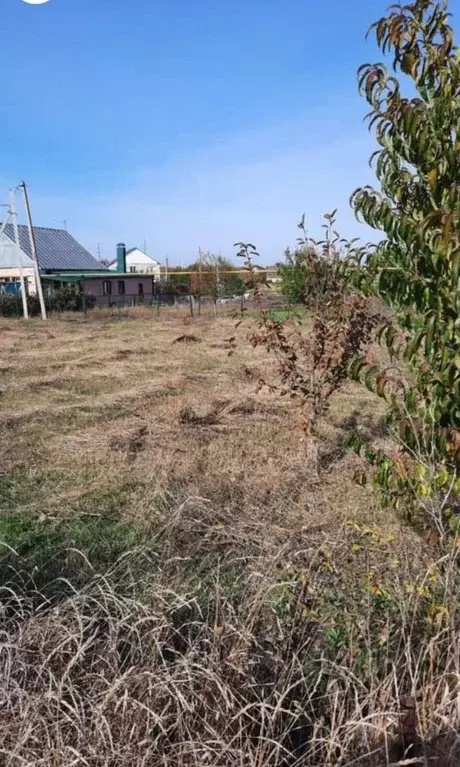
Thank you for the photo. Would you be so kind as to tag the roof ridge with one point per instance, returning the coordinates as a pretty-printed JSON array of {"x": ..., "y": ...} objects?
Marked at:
[
  {"x": 136, "y": 247},
  {"x": 49, "y": 228}
]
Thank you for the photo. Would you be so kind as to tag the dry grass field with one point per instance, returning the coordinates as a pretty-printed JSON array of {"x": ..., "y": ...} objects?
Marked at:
[
  {"x": 127, "y": 410},
  {"x": 178, "y": 586}
]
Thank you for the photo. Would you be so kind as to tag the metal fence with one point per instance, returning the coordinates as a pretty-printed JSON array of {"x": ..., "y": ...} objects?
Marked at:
[{"x": 157, "y": 305}]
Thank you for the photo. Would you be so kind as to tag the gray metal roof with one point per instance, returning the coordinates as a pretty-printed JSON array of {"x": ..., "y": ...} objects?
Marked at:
[{"x": 56, "y": 249}]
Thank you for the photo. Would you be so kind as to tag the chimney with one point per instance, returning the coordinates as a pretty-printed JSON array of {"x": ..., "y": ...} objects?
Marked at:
[{"x": 121, "y": 257}]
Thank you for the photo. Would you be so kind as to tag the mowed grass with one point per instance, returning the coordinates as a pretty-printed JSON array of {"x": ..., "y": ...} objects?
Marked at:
[
  {"x": 88, "y": 410},
  {"x": 179, "y": 586}
]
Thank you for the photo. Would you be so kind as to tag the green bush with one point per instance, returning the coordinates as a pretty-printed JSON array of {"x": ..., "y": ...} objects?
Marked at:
[
  {"x": 11, "y": 305},
  {"x": 415, "y": 269},
  {"x": 69, "y": 299},
  {"x": 63, "y": 299}
]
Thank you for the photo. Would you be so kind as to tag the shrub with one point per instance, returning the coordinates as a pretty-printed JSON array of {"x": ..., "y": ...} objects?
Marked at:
[
  {"x": 63, "y": 299},
  {"x": 11, "y": 305},
  {"x": 313, "y": 361},
  {"x": 415, "y": 269},
  {"x": 69, "y": 299}
]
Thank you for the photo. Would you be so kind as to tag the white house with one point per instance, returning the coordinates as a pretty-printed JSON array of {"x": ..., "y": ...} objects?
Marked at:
[{"x": 138, "y": 261}]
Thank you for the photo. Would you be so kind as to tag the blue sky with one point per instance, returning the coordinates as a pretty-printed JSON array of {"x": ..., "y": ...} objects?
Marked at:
[{"x": 185, "y": 123}]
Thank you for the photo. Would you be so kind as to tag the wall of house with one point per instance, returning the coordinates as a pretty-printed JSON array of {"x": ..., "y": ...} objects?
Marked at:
[
  {"x": 9, "y": 264},
  {"x": 141, "y": 267},
  {"x": 95, "y": 287},
  {"x": 12, "y": 274}
]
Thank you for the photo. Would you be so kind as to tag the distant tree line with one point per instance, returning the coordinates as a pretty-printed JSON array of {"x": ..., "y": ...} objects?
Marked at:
[{"x": 211, "y": 275}]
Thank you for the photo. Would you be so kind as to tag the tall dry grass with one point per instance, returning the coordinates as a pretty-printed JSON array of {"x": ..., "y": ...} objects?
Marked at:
[{"x": 173, "y": 660}]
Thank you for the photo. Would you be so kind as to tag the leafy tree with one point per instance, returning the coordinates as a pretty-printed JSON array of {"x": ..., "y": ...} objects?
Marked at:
[
  {"x": 294, "y": 273},
  {"x": 415, "y": 269},
  {"x": 210, "y": 262},
  {"x": 231, "y": 285},
  {"x": 215, "y": 277}
]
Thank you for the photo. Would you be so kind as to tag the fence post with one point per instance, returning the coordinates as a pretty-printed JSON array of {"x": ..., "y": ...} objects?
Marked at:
[{"x": 191, "y": 305}]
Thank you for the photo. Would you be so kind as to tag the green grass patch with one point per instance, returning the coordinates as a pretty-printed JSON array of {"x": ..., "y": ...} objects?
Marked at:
[
  {"x": 48, "y": 555},
  {"x": 39, "y": 542},
  {"x": 45, "y": 539}
]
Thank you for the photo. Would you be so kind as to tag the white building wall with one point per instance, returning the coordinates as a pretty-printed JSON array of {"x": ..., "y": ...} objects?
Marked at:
[
  {"x": 9, "y": 265},
  {"x": 13, "y": 275},
  {"x": 138, "y": 261}
]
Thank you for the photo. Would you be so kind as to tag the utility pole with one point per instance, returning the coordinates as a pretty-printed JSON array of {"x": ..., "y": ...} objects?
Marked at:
[
  {"x": 167, "y": 266},
  {"x": 33, "y": 250},
  {"x": 14, "y": 216},
  {"x": 145, "y": 246},
  {"x": 98, "y": 251}
]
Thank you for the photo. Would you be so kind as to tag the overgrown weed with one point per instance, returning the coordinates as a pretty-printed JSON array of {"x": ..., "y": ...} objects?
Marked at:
[{"x": 216, "y": 654}]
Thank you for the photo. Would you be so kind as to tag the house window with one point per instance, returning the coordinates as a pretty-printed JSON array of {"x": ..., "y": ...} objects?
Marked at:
[
  {"x": 121, "y": 287},
  {"x": 132, "y": 269},
  {"x": 140, "y": 289},
  {"x": 107, "y": 288}
]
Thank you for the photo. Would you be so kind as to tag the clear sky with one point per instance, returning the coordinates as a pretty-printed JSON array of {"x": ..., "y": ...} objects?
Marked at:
[{"x": 185, "y": 123}]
